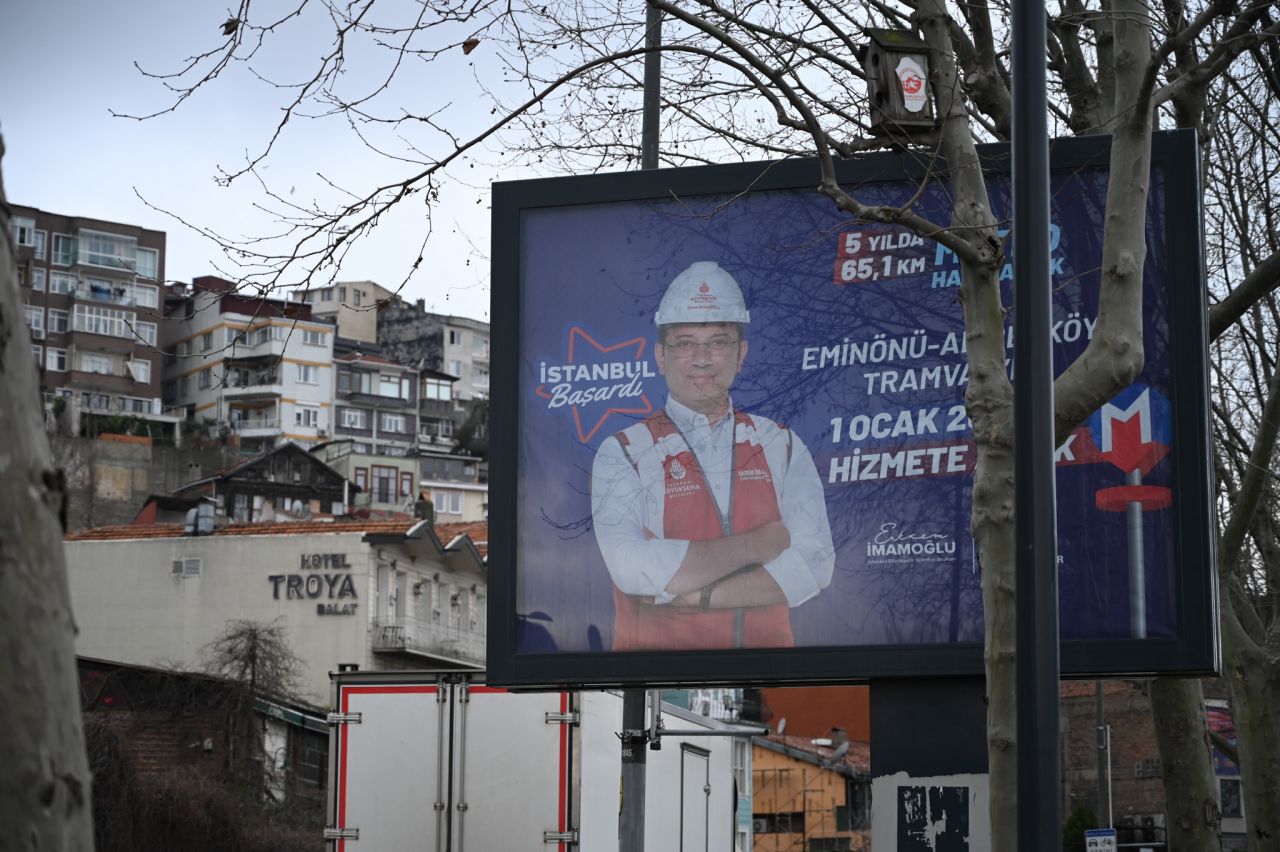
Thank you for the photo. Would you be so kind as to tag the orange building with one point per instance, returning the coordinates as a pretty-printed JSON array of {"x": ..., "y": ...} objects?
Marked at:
[{"x": 810, "y": 795}]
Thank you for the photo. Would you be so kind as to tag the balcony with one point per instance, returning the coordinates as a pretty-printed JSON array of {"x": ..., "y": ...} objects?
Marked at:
[
  {"x": 255, "y": 427},
  {"x": 424, "y": 639},
  {"x": 264, "y": 387}
]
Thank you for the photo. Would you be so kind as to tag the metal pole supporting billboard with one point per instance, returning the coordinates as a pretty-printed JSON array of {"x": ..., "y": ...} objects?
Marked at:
[
  {"x": 634, "y": 734},
  {"x": 1039, "y": 812}
]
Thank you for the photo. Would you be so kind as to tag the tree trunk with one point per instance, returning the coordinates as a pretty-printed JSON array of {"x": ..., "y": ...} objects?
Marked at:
[
  {"x": 1190, "y": 787},
  {"x": 1253, "y": 673},
  {"x": 44, "y": 787}
]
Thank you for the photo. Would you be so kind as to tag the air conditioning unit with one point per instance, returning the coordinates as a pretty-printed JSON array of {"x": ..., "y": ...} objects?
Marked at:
[
  {"x": 37, "y": 334},
  {"x": 322, "y": 433}
]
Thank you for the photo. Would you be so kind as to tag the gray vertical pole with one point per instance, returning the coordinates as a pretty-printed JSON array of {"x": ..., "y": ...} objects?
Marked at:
[
  {"x": 1137, "y": 564},
  {"x": 634, "y": 734},
  {"x": 631, "y": 816},
  {"x": 1039, "y": 775},
  {"x": 1104, "y": 759},
  {"x": 652, "y": 88}
]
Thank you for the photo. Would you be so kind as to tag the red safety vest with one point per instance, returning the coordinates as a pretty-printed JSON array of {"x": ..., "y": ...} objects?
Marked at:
[{"x": 690, "y": 513}]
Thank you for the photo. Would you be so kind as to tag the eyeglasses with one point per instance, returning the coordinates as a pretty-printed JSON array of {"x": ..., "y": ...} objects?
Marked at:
[{"x": 717, "y": 346}]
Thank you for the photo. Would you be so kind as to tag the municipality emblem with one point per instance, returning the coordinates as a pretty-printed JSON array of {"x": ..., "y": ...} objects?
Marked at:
[{"x": 676, "y": 469}]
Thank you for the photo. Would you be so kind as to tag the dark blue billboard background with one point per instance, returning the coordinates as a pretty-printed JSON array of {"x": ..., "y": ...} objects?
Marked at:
[{"x": 856, "y": 343}]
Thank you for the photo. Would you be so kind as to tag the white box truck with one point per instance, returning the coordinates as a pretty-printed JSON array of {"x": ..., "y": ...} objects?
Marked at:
[{"x": 441, "y": 762}]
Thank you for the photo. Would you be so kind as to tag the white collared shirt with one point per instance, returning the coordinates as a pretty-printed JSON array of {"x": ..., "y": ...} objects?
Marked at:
[{"x": 627, "y": 512}]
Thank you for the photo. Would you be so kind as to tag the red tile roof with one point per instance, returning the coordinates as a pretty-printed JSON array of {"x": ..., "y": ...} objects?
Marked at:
[
  {"x": 134, "y": 531},
  {"x": 477, "y": 531}
]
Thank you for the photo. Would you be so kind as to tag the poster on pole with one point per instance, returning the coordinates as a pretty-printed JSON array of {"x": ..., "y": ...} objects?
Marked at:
[{"x": 731, "y": 442}]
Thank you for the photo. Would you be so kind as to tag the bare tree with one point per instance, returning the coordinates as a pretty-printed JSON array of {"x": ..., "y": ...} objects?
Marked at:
[
  {"x": 757, "y": 79},
  {"x": 44, "y": 789}
]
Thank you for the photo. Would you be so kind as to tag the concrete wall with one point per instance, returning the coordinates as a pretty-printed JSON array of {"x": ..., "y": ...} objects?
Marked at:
[{"x": 107, "y": 481}]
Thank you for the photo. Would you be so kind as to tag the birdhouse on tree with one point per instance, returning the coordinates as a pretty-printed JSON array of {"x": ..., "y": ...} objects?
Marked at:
[{"x": 897, "y": 66}]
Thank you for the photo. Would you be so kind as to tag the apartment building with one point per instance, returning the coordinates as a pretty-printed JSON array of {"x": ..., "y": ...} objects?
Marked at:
[
  {"x": 454, "y": 484},
  {"x": 458, "y": 346},
  {"x": 260, "y": 369},
  {"x": 92, "y": 294},
  {"x": 375, "y": 404},
  {"x": 352, "y": 306}
]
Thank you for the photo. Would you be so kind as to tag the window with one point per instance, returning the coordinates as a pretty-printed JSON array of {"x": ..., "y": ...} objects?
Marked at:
[
  {"x": 183, "y": 348},
  {"x": 41, "y": 236},
  {"x": 384, "y": 484},
  {"x": 58, "y": 321},
  {"x": 141, "y": 370},
  {"x": 99, "y": 320},
  {"x": 93, "y": 362},
  {"x": 326, "y": 295},
  {"x": 435, "y": 389},
  {"x": 34, "y": 316},
  {"x": 62, "y": 282},
  {"x": 206, "y": 341},
  {"x": 447, "y": 503},
  {"x": 480, "y": 376},
  {"x": 24, "y": 230},
  {"x": 355, "y": 382},
  {"x": 134, "y": 405},
  {"x": 205, "y": 379},
  {"x": 388, "y": 385},
  {"x": 64, "y": 250},
  {"x": 56, "y": 359},
  {"x": 355, "y": 295},
  {"x": 355, "y": 418},
  {"x": 237, "y": 377},
  {"x": 406, "y": 387},
  {"x": 406, "y": 484},
  {"x": 313, "y": 338},
  {"x": 37, "y": 279},
  {"x": 308, "y": 374},
  {"x": 38, "y": 351},
  {"x": 184, "y": 385},
  {"x": 233, "y": 335},
  {"x": 146, "y": 332},
  {"x": 342, "y": 294},
  {"x": 455, "y": 338},
  {"x": 1230, "y": 796},
  {"x": 455, "y": 368},
  {"x": 362, "y": 477},
  {"x": 148, "y": 263},
  {"x": 392, "y": 423},
  {"x": 109, "y": 250},
  {"x": 306, "y": 416}
]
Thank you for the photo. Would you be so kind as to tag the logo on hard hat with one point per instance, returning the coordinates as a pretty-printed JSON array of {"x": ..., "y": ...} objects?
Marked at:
[{"x": 702, "y": 293}]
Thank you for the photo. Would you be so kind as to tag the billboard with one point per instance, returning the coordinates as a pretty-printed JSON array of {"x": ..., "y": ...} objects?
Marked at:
[{"x": 777, "y": 487}]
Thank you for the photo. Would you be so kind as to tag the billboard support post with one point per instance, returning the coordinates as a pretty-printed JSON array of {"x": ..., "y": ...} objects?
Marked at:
[
  {"x": 635, "y": 736},
  {"x": 1035, "y": 515}
]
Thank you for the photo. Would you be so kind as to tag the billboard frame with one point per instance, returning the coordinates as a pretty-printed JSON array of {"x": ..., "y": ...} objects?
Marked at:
[{"x": 1195, "y": 651}]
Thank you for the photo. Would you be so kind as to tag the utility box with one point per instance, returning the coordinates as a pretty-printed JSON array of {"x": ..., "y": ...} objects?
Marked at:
[{"x": 897, "y": 66}]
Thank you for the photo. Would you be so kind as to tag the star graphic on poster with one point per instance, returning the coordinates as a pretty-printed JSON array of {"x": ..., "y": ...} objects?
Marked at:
[{"x": 597, "y": 381}]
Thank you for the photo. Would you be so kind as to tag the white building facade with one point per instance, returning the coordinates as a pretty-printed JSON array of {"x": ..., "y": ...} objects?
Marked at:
[
  {"x": 259, "y": 369},
  {"x": 380, "y": 594}
]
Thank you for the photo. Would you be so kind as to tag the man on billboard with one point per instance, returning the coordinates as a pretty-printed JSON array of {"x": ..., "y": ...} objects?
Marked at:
[{"x": 711, "y": 521}]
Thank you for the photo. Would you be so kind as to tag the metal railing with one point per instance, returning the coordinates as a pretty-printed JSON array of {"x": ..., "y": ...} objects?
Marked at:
[{"x": 411, "y": 634}]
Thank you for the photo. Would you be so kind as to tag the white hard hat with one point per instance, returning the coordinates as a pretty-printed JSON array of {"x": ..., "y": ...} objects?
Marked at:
[{"x": 702, "y": 293}]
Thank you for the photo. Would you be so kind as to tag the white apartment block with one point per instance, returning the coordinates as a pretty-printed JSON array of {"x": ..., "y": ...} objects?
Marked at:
[
  {"x": 260, "y": 369},
  {"x": 352, "y": 306},
  {"x": 466, "y": 355}
]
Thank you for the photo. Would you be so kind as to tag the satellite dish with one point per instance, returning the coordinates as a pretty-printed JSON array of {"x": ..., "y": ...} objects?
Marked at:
[
  {"x": 840, "y": 751},
  {"x": 782, "y": 725}
]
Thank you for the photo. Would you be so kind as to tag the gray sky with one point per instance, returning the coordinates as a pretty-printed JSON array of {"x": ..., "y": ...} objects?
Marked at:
[{"x": 68, "y": 62}]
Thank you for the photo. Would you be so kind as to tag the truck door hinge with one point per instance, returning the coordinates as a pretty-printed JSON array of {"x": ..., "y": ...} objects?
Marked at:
[
  {"x": 563, "y": 718},
  {"x": 560, "y": 836},
  {"x": 344, "y": 718},
  {"x": 331, "y": 833}
]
